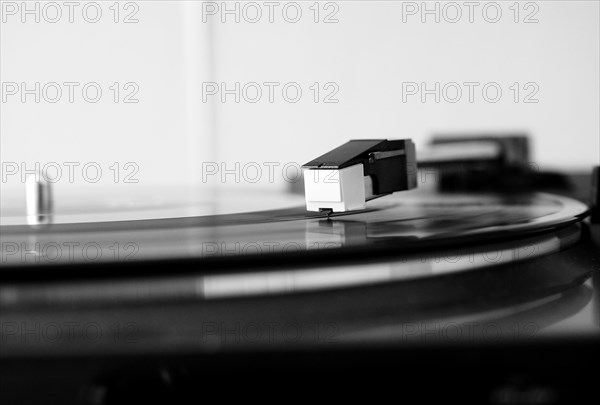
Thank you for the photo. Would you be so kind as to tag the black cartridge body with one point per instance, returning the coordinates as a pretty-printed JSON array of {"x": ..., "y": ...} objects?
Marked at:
[{"x": 391, "y": 164}]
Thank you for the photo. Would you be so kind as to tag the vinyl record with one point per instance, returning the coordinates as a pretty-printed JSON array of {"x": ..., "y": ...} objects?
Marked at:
[{"x": 397, "y": 225}]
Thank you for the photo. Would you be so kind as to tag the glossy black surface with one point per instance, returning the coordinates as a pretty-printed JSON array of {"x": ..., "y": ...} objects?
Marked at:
[{"x": 396, "y": 224}]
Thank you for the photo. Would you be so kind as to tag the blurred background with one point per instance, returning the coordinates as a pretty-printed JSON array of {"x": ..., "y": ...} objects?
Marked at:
[{"x": 163, "y": 93}]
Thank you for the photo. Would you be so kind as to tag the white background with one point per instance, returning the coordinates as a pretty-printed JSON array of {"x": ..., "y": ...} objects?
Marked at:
[{"x": 368, "y": 53}]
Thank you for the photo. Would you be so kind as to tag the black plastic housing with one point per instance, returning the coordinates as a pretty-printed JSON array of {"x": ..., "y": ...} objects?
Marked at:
[{"x": 390, "y": 163}]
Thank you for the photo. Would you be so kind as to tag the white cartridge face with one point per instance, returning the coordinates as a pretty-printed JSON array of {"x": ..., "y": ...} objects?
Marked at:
[{"x": 338, "y": 190}]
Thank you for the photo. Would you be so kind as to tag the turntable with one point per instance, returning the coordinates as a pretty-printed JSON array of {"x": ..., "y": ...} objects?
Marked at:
[{"x": 367, "y": 273}]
